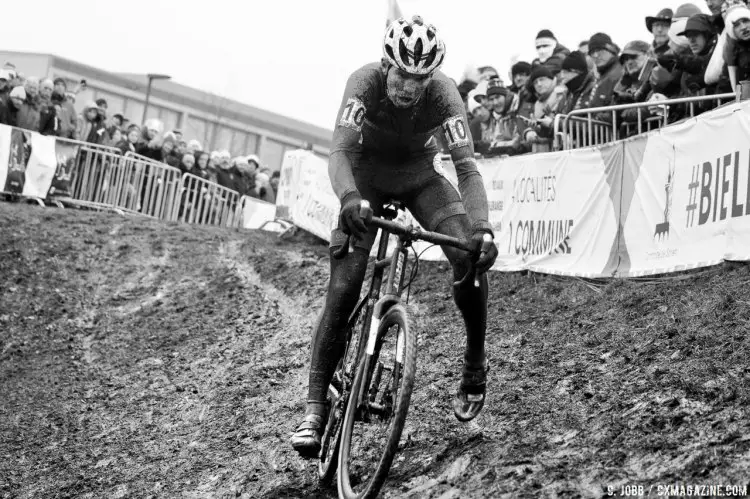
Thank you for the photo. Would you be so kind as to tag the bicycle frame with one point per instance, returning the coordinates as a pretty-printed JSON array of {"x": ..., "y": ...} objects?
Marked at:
[{"x": 396, "y": 265}]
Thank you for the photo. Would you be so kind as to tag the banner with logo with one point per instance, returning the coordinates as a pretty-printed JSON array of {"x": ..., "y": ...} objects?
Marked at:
[
  {"x": 689, "y": 203},
  {"x": 27, "y": 162},
  {"x": 65, "y": 154}
]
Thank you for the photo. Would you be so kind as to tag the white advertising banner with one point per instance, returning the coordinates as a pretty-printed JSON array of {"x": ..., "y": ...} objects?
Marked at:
[
  {"x": 690, "y": 202},
  {"x": 256, "y": 212},
  {"x": 41, "y": 167},
  {"x": 552, "y": 213}
]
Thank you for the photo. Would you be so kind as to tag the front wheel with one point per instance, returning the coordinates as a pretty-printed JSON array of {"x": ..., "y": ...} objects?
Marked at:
[{"x": 377, "y": 408}]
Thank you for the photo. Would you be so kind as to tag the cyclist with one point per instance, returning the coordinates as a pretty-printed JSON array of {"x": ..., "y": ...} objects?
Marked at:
[{"x": 384, "y": 148}]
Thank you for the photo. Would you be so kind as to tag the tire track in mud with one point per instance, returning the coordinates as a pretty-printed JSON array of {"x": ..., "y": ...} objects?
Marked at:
[{"x": 148, "y": 359}]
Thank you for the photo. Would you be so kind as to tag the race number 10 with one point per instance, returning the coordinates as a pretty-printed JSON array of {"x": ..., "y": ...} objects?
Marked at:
[
  {"x": 353, "y": 114},
  {"x": 455, "y": 132}
]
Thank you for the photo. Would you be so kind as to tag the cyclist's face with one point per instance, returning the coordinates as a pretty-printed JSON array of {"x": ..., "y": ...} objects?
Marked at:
[{"x": 404, "y": 89}]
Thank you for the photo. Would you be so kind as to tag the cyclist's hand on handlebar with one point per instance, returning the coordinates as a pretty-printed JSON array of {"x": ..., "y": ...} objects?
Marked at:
[
  {"x": 351, "y": 220},
  {"x": 484, "y": 253}
]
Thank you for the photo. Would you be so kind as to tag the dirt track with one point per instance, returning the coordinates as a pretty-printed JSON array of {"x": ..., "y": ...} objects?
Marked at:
[{"x": 143, "y": 359}]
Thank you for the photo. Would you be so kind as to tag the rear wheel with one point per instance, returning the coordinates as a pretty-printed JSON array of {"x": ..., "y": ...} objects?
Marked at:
[
  {"x": 338, "y": 394},
  {"x": 377, "y": 408}
]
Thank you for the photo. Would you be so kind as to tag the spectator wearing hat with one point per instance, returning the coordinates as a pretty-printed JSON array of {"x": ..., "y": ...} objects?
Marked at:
[
  {"x": 658, "y": 26},
  {"x": 549, "y": 100},
  {"x": 127, "y": 144},
  {"x": 168, "y": 154},
  {"x": 49, "y": 123},
  {"x": 478, "y": 114},
  {"x": 28, "y": 114},
  {"x": 9, "y": 108},
  {"x": 67, "y": 116},
  {"x": 550, "y": 52},
  {"x": 149, "y": 144},
  {"x": 634, "y": 86},
  {"x": 700, "y": 32},
  {"x": 677, "y": 42},
  {"x": 520, "y": 73},
  {"x": 194, "y": 146},
  {"x": 5, "y": 87},
  {"x": 93, "y": 131},
  {"x": 487, "y": 73},
  {"x": 605, "y": 54},
  {"x": 737, "y": 53},
  {"x": 579, "y": 80},
  {"x": 501, "y": 133}
]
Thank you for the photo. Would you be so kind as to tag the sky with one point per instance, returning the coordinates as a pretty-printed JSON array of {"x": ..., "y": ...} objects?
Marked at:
[{"x": 293, "y": 57}]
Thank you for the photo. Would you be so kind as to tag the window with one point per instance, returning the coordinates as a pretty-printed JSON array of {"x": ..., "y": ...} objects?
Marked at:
[
  {"x": 251, "y": 145},
  {"x": 239, "y": 138},
  {"x": 272, "y": 154},
  {"x": 223, "y": 138},
  {"x": 134, "y": 111},
  {"x": 196, "y": 128},
  {"x": 169, "y": 118}
]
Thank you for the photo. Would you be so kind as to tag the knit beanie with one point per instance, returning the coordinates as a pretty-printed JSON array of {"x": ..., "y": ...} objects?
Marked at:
[
  {"x": 545, "y": 33},
  {"x": 602, "y": 41},
  {"x": 576, "y": 61},
  {"x": 539, "y": 72},
  {"x": 734, "y": 14},
  {"x": 521, "y": 67}
]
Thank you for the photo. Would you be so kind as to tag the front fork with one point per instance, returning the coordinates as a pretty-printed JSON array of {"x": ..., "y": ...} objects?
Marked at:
[{"x": 366, "y": 398}]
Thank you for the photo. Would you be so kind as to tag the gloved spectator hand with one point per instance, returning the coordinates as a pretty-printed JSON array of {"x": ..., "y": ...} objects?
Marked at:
[
  {"x": 483, "y": 262},
  {"x": 350, "y": 220},
  {"x": 670, "y": 62}
]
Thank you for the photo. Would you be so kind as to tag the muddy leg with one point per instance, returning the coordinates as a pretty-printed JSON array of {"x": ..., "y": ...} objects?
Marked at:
[{"x": 347, "y": 275}]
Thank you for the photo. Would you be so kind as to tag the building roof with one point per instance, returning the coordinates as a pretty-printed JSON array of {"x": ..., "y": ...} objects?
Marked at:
[{"x": 198, "y": 99}]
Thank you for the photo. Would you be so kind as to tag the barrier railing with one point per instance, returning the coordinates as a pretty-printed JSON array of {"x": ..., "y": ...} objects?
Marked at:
[
  {"x": 206, "y": 203},
  {"x": 583, "y": 128},
  {"x": 157, "y": 186}
]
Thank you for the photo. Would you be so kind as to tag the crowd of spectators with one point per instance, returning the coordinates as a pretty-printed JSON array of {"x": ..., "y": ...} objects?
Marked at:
[
  {"x": 47, "y": 107},
  {"x": 689, "y": 54}
]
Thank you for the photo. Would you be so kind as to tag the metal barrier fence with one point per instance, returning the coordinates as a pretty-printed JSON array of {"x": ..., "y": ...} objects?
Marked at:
[
  {"x": 582, "y": 128},
  {"x": 206, "y": 203}
]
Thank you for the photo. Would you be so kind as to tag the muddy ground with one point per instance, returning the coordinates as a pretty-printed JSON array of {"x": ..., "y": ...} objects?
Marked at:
[{"x": 146, "y": 359}]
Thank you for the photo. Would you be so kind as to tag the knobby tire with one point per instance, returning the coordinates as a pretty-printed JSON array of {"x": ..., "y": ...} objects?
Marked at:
[{"x": 395, "y": 316}]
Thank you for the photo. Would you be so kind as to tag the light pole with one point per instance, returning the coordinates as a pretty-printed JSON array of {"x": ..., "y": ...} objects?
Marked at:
[{"x": 151, "y": 78}]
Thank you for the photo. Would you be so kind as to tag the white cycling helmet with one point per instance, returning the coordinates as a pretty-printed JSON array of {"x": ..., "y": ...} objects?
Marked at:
[{"x": 413, "y": 46}]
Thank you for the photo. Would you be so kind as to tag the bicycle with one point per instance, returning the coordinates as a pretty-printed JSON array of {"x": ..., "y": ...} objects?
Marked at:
[{"x": 374, "y": 380}]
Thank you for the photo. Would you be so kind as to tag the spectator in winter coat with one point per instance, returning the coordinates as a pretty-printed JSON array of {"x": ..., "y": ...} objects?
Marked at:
[
  {"x": 275, "y": 179},
  {"x": 737, "y": 53},
  {"x": 228, "y": 176},
  {"x": 187, "y": 164},
  {"x": 658, "y": 26},
  {"x": 501, "y": 133},
  {"x": 575, "y": 75},
  {"x": 5, "y": 87},
  {"x": 605, "y": 54},
  {"x": 245, "y": 181},
  {"x": 520, "y": 73},
  {"x": 699, "y": 30},
  {"x": 9, "y": 107},
  {"x": 550, "y": 99},
  {"x": 127, "y": 144},
  {"x": 149, "y": 145},
  {"x": 93, "y": 131},
  {"x": 634, "y": 85},
  {"x": 49, "y": 123},
  {"x": 28, "y": 115},
  {"x": 67, "y": 116},
  {"x": 168, "y": 155},
  {"x": 550, "y": 52}
]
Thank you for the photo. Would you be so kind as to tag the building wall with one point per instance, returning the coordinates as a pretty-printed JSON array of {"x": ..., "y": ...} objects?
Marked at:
[{"x": 212, "y": 130}]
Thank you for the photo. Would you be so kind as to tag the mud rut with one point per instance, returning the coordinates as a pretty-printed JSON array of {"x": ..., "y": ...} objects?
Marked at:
[{"x": 142, "y": 359}]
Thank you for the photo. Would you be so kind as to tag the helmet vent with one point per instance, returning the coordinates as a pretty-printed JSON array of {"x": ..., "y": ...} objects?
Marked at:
[
  {"x": 418, "y": 47},
  {"x": 408, "y": 30},
  {"x": 389, "y": 51},
  {"x": 403, "y": 52}
]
